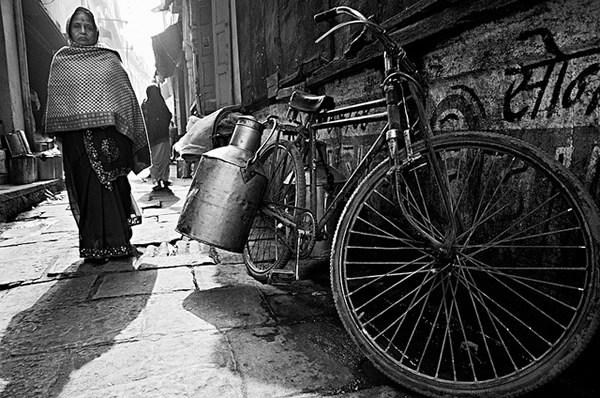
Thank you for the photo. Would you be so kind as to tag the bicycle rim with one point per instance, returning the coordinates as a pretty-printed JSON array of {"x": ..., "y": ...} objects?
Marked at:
[
  {"x": 512, "y": 302},
  {"x": 270, "y": 242}
]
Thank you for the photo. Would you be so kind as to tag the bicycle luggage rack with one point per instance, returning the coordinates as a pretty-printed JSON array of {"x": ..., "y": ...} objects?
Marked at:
[{"x": 350, "y": 115}]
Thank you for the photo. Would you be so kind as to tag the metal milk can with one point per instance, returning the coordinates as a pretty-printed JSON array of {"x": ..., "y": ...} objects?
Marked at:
[{"x": 226, "y": 190}]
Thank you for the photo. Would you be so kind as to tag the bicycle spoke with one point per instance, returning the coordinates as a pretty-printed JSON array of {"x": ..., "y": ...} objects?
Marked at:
[
  {"x": 503, "y": 297},
  {"x": 272, "y": 236},
  {"x": 496, "y": 273},
  {"x": 489, "y": 203},
  {"x": 469, "y": 175},
  {"x": 425, "y": 220},
  {"x": 516, "y": 319},
  {"x": 413, "y": 304},
  {"x": 516, "y": 223},
  {"x": 398, "y": 210},
  {"x": 407, "y": 275},
  {"x": 403, "y": 317},
  {"x": 476, "y": 297}
]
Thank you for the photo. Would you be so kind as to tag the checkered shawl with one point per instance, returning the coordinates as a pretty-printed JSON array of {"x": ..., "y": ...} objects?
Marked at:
[{"x": 88, "y": 88}]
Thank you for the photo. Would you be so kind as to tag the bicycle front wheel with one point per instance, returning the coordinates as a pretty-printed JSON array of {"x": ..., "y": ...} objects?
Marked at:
[
  {"x": 271, "y": 241},
  {"x": 513, "y": 298}
]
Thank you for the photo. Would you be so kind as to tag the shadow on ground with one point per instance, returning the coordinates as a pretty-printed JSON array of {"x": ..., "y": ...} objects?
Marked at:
[
  {"x": 284, "y": 338},
  {"x": 64, "y": 330}
]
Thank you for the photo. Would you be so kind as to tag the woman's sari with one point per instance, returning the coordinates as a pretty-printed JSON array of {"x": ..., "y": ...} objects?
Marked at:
[{"x": 93, "y": 111}]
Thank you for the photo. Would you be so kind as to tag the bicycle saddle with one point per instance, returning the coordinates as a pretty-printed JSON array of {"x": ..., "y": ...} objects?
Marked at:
[{"x": 310, "y": 103}]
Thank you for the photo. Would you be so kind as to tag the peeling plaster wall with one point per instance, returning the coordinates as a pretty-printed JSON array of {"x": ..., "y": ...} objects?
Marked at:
[{"x": 534, "y": 75}]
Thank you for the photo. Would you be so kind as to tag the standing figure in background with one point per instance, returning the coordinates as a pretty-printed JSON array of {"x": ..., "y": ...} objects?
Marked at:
[
  {"x": 158, "y": 119},
  {"x": 173, "y": 138},
  {"x": 93, "y": 111}
]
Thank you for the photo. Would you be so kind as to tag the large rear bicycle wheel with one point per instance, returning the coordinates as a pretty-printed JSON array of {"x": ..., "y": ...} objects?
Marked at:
[
  {"x": 510, "y": 301},
  {"x": 271, "y": 241}
]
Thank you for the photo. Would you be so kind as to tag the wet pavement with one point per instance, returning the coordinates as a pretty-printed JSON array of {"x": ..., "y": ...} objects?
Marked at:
[{"x": 180, "y": 320}]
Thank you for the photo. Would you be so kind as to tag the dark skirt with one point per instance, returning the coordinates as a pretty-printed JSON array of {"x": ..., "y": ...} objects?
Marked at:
[{"x": 99, "y": 191}]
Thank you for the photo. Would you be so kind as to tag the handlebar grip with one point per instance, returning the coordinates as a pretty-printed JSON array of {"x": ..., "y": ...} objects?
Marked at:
[{"x": 325, "y": 15}]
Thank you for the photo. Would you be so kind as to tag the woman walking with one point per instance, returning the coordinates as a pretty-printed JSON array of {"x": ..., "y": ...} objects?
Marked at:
[
  {"x": 93, "y": 111},
  {"x": 158, "y": 119}
]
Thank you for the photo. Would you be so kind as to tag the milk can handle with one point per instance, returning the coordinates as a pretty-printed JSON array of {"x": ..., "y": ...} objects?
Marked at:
[
  {"x": 249, "y": 171},
  {"x": 275, "y": 119}
]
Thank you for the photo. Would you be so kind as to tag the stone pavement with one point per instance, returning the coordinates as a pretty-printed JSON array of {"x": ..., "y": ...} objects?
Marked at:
[{"x": 181, "y": 320}]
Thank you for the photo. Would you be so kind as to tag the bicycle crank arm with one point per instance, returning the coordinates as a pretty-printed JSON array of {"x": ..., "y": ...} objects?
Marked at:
[{"x": 285, "y": 221}]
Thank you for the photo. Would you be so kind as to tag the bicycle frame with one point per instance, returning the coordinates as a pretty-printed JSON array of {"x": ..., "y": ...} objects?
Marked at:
[
  {"x": 311, "y": 128},
  {"x": 399, "y": 87},
  {"x": 393, "y": 134}
]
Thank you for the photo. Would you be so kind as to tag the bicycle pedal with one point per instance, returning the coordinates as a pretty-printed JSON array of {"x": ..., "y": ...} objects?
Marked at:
[{"x": 281, "y": 275}]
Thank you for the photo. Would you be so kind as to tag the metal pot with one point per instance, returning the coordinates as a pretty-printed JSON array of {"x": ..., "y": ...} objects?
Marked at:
[
  {"x": 17, "y": 144},
  {"x": 226, "y": 191},
  {"x": 247, "y": 134}
]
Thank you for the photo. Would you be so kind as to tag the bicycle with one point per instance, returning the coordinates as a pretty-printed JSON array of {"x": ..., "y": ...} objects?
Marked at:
[{"x": 463, "y": 264}]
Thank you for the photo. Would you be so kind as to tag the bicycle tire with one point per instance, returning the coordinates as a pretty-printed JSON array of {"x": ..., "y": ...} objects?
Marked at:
[
  {"x": 271, "y": 244},
  {"x": 515, "y": 301}
]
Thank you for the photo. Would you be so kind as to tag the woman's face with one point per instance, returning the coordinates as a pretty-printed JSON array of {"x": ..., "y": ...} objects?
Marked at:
[{"x": 83, "y": 30}]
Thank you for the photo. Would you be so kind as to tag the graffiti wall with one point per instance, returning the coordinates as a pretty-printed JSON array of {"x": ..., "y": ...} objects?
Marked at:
[{"x": 534, "y": 75}]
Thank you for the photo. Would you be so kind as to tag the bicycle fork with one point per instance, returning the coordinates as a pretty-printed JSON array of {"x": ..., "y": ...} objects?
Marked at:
[{"x": 392, "y": 87}]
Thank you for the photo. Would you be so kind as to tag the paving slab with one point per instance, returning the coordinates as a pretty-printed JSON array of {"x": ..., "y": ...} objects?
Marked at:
[
  {"x": 167, "y": 366},
  {"x": 165, "y": 314},
  {"x": 161, "y": 202},
  {"x": 299, "y": 307},
  {"x": 161, "y": 212},
  {"x": 62, "y": 237},
  {"x": 53, "y": 292},
  {"x": 206, "y": 277},
  {"x": 38, "y": 375},
  {"x": 69, "y": 264},
  {"x": 229, "y": 307},
  {"x": 161, "y": 257},
  {"x": 66, "y": 223},
  {"x": 273, "y": 363},
  {"x": 58, "y": 205},
  {"x": 24, "y": 229},
  {"x": 19, "y": 264},
  {"x": 20, "y": 299},
  {"x": 114, "y": 285},
  {"x": 155, "y": 230},
  {"x": 236, "y": 274},
  {"x": 49, "y": 327},
  {"x": 227, "y": 257},
  {"x": 165, "y": 255}
]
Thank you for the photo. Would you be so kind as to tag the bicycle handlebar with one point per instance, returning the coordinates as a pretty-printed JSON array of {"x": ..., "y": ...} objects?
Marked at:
[
  {"x": 358, "y": 18},
  {"x": 325, "y": 15}
]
